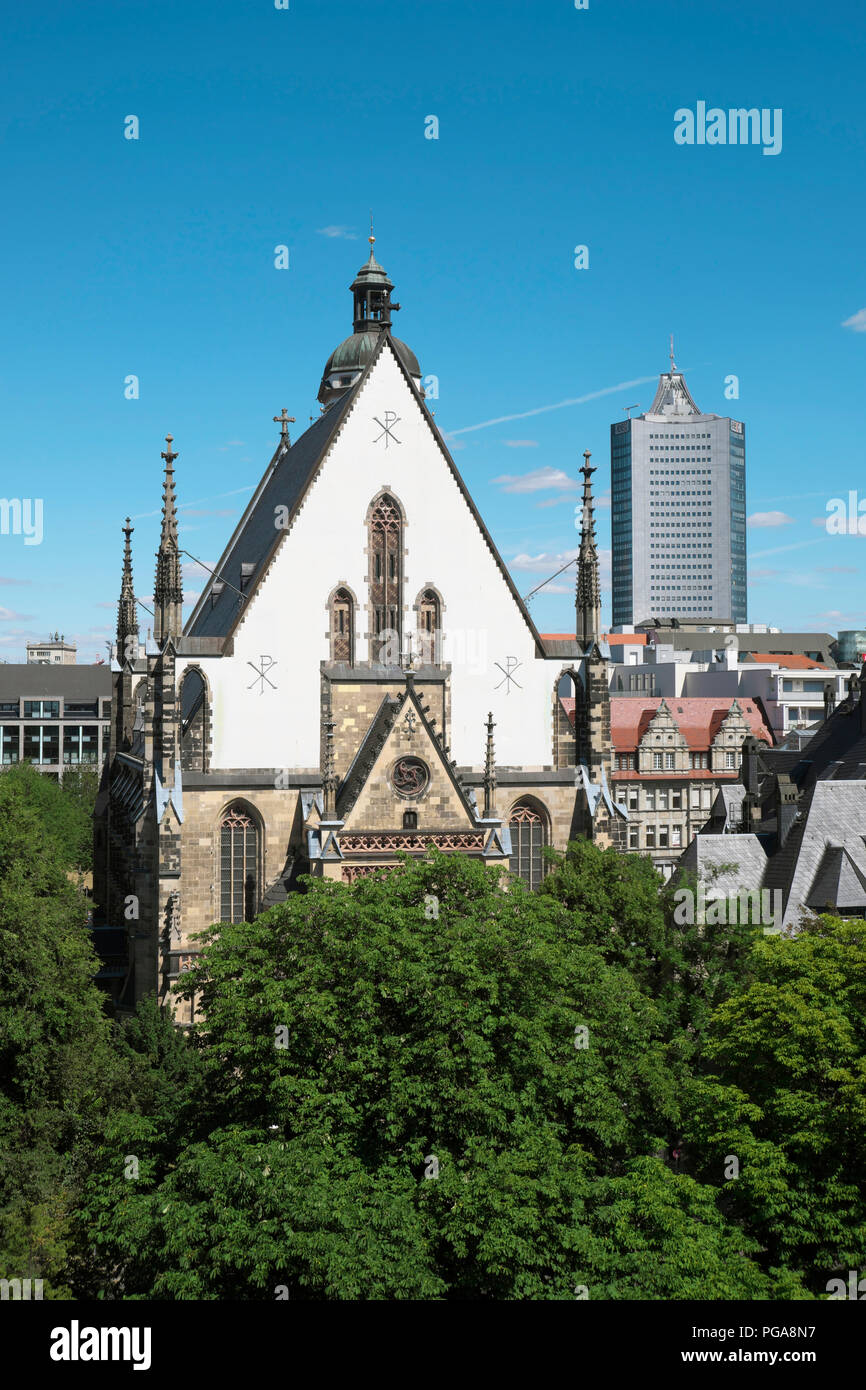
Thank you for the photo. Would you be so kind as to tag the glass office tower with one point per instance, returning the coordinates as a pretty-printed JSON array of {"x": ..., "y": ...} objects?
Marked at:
[{"x": 678, "y": 511}]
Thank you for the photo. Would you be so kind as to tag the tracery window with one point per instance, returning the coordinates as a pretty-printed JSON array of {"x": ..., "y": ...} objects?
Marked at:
[
  {"x": 429, "y": 625},
  {"x": 343, "y": 627},
  {"x": 238, "y": 866},
  {"x": 386, "y": 550},
  {"x": 528, "y": 835}
]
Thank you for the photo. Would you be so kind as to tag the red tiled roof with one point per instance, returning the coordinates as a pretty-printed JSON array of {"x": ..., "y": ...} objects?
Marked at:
[
  {"x": 698, "y": 718},
  {"x": 794, "y": 661}
]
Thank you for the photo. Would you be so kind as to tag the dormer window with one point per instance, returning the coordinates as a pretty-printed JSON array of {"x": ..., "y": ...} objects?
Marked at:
[{"x": 247, "y": 571}]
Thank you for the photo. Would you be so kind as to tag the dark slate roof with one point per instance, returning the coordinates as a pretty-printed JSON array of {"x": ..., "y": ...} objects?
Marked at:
[
  {"x": 833, "y": 815},
  {"x": 837, "y": 750},
  {"x": 28, "y": 682},
  {"x": 779, "y": 643},
  {"x": 256, "y": 537},
  {"x": 289, "y": 475},
  {"x": 839, "y": 883},
  {"x": 723, "y": 863}
]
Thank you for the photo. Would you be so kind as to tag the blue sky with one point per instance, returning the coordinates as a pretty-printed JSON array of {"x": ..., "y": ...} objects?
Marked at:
[{"x": 261, "y": 127}]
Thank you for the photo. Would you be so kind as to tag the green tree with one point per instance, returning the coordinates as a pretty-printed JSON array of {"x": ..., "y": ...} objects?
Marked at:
[
  {"x": 618, "y": 903},
  {"x": 55, "y": 1055},
  {"x": 416, "y": 1086},
  {"x": 784, "y": 1094}
]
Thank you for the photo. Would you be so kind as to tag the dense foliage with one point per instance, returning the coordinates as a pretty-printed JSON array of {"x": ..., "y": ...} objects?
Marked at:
[{"x": 428, "y": 1086}]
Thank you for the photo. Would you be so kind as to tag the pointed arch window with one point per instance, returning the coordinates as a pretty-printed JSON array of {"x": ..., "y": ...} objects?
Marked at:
[
  {"x": 239, "y": 857},
  {"x": 386, "y": 572},
  {"x": 194, "y": 722},
  {"x": 528, "y": 837},
  {"x": 343, "y": 627},
  {"x": 429, "y": 625}
]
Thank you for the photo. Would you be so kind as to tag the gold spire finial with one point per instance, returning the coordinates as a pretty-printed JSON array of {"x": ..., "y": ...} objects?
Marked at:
[{"x": 371, "y": 238}]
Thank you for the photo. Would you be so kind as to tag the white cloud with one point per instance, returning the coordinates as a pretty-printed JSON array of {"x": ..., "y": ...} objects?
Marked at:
[
  {"x": 191, "y": 569},
  {"x": 344, "y": 233},
  {"x": 857, "y": 322},
  {"x": 770, "y": 519},
  {"x": 536, "y": 481},
  {"x": 543, "y": 561},
  {"x": 520, "y": 443}
]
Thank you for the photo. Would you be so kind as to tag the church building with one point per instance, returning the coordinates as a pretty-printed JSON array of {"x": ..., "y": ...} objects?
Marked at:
[{"x": 359, "y": 677}]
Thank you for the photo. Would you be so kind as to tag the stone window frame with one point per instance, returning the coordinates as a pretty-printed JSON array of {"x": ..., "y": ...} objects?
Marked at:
[
  {"x": 535, "y": 805},
  {"x": 440, "y": 611},
  {"x": 207, "y": 731},
  {"x": 402, "y": 551},
  {"x": 562, "y": 730},
  {"x": 246, "y": 807},
  {"x": 353, "y": 621}
]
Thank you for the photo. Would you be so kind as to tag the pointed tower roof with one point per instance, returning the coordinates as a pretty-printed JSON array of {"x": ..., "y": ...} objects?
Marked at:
[
  {"x": 588, "y": 594},
  {"x": 168, "y": 588},
  {"x": 127, "y": 618},
  {"x": 672, "y": 400}
]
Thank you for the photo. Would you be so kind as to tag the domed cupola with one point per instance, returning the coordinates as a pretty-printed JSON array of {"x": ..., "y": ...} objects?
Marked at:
[{"x": 371, "y": 292}]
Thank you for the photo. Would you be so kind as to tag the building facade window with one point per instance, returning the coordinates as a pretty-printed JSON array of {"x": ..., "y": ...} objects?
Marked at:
[
  {"x": 730, "y": 759},
  {"x": 42, "y": 744},
  {"x": 657, "y": 762},
  {"x": 239, "y": 853},
  {"x": 80, "y": 743},
  {"x": 194, "y": 722},
  {"x": 41, "y": 709},
  {"x": 386, "y": 573},
  {"x": 343, "y": 627},
  {"x": 9, "y": 744},
  {"x": 528, "y": 837},
  {"x": 429, "y": 626}
]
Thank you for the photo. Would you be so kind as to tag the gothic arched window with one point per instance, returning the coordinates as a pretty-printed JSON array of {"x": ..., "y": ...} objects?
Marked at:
[
  {"x": 194, "y": 722},
  {"x": 528, "y": 835},
  {"x": 429, "y": 625},
  {"x": 386, "y": 570},
  {"x": 343, "y": 627},
  {"x": 239, "y": 855}
]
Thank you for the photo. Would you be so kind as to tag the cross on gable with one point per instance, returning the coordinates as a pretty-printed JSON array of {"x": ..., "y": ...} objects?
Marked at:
[{"x": 284, "y": 420}]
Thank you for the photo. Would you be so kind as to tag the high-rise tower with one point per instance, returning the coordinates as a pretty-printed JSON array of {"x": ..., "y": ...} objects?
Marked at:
[{"x": 678, "y": 511}]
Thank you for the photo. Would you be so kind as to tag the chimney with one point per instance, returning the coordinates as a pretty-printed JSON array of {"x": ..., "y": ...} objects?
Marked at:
[{"x": 785, "y": 801}]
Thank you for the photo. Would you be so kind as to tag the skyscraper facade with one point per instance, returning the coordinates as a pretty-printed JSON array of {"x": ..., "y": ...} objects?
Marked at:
[{"x": 678, "y": 511}]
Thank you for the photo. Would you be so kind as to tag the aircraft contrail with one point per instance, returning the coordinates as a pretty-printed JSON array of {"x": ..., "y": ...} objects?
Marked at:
[{"x": 560, "y": 405}]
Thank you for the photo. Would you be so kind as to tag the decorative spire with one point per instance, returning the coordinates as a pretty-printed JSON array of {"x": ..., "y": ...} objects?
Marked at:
[
  {"x": 127, "y": 618},
  {"x": 588, "y": 596},
  {"x": 673, "y": 363},
  {"x": 168, "y": 589},
  {"x": 329, "y": 776},
  {"x": 489, "y": 772}
]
